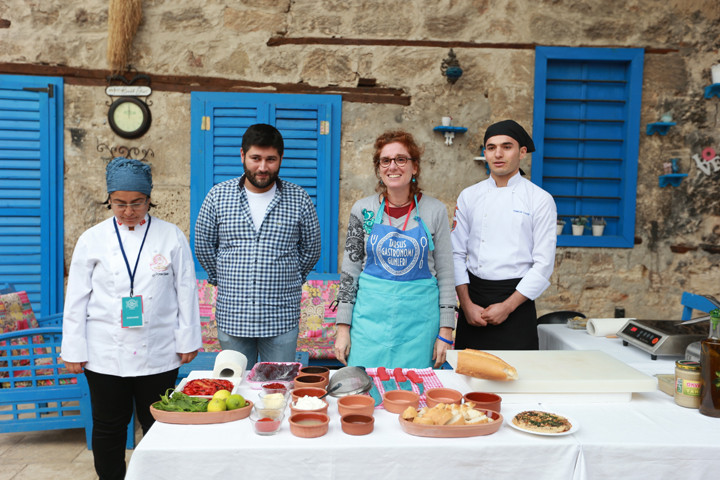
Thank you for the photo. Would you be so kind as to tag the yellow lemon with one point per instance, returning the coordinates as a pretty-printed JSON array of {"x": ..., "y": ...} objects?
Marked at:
[
  {"x": 216, "y": 405},
  {"x": 235, "y": 401},
  {"x": 221, "y": 394}
]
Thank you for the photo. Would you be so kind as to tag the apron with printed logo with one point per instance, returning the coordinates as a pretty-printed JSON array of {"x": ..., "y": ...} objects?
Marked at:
[{"x": 396, "y": 315}]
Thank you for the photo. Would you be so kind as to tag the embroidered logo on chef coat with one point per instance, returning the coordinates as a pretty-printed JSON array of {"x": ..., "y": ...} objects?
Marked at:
[
  {"x": 398, "y": 253},
  {"x": 159, "y": 263}
]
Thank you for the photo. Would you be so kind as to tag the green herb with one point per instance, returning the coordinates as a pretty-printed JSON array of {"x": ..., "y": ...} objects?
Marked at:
[{"x": 179, "y": 402}]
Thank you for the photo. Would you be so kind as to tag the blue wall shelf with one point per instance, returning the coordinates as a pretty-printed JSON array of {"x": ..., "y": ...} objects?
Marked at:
[
  {"x": 712, "y": 90},
  {"x": 444, "y": 129},
  {"x": 673, "y": 179},
  {"x": 659, "y": 127}
]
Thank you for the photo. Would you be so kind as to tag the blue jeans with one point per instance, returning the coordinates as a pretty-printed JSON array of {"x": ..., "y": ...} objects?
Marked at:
[{"x": 280, "y": 348}]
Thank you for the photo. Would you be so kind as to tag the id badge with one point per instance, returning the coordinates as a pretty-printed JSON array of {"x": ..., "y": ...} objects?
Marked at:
[{"x": 132, "y": 310}]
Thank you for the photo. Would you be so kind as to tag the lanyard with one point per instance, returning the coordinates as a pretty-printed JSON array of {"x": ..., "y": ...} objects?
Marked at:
[
  {"x": 387, "y": 210},
  {"x": 127, "y": 264}
]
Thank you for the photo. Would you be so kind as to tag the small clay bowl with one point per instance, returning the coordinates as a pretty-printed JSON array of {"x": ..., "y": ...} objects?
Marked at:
[
  {"x": 314, "y": 370},
  {"x": 447, "y": 396},
  {"x": 484, "y": 400},
  {"x": 309, "y": 424},
  {"x": 309, "y": 391},
  {"x": 311, "y": 381},
  {"x": 396, "y": 401},
  {"x": 358, "y": 404},
  {"x": 355, "y": 424},
  {"x": 322, "y": 409}
]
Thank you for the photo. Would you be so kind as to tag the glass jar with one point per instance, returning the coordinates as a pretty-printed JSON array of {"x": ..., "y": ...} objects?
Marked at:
[
  {"x": 710, "y": 361},
  {"x": 687, "y": 383}
]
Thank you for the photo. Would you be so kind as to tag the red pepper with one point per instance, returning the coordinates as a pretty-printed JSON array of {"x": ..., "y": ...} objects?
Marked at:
[{"x": 274, "y": 386}]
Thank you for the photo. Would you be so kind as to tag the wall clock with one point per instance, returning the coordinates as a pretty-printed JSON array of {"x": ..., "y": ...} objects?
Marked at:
[{"x": 129, "y": 117}]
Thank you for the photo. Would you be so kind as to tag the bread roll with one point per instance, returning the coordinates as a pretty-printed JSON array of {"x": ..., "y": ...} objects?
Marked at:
[
  {"x": 478, "y": 364},
  {"x": 409, "y": 413}
]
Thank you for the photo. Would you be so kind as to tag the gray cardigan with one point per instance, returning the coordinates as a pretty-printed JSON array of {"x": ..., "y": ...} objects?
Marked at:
[{"x": 440, "y": 261}]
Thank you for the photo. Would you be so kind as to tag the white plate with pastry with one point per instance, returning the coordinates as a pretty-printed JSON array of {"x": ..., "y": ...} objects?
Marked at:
[{"x": 538, "y": 422}]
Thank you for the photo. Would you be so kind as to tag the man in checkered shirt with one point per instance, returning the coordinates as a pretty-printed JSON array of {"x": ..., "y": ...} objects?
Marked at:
[{"x": 258, "y": 237}]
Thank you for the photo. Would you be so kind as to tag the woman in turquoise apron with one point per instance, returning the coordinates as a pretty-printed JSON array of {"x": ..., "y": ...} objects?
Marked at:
[{"x": 396, "y": 255}]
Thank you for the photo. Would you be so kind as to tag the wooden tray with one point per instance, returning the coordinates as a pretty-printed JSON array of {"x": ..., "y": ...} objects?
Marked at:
[
  {"x": 453, "y": 431},
  {"x": 201, "y": 418}
]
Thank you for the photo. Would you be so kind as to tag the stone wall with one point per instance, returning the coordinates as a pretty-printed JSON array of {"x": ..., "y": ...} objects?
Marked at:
[{"x": 230, "y": 40}]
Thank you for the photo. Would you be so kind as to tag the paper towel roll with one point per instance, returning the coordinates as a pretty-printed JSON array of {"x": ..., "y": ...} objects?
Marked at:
[
  {"x": 602, "y": 327},
  {"x": 229, "y": 364}
]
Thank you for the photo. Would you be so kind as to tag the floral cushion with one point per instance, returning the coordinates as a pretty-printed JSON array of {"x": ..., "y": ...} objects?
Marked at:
[
  {"x": 317, "y": 320},
  {"x": 16, "y": 312}
]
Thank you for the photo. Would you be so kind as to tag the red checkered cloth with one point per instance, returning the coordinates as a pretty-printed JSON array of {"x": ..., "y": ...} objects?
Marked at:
[{"x": 430, "y": 380}]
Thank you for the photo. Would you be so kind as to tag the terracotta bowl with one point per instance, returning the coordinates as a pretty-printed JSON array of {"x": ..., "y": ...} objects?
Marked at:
[
  {"x": 322, "y": 409},
  {"x": 434, "y": 396},
  {"x": 311, "y": 381},
  {"x": 314, "y": 370},
  {"x": 355, "y": 424},
  {"x": 309, "y": 424},
  {"x": 484, "y": 400},
  {"x": 309, "y": 391},
  {"x": 396, "y": 401},
  {"x": 359, "y": 404}
]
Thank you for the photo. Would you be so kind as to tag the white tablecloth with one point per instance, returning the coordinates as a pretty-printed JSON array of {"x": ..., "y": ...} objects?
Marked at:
[
  {"x": 560, "y": 337},
  {"x": 649, "y": 437}
]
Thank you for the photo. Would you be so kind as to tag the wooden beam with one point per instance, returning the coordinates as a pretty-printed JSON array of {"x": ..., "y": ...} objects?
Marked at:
[
  {"x": 392, "y": 42},
  {"x": 186, "y": 84}
]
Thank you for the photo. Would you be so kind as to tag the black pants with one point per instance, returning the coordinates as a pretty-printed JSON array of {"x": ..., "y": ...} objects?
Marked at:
[
  {"x": 518, "y": 332},
  {"x": 112, "y": 401}
]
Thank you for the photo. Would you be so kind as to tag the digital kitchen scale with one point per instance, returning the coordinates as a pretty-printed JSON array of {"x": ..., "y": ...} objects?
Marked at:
[{"x": 662, "y": 337}]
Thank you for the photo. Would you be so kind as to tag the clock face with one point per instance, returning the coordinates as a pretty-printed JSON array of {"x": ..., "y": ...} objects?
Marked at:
[{"x": 129, "y": 117}]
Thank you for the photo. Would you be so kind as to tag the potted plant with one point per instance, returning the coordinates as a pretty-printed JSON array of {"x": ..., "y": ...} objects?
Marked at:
[
  {"x": 560, "y": 225},
  {"x": 578, "y": 225},
  {"x": 598, "y": 226}
]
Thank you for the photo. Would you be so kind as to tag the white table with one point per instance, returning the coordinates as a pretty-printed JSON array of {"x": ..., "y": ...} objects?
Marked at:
[
  {"x": 649, "y": 437},
  {"x": 560, "y": 337}
]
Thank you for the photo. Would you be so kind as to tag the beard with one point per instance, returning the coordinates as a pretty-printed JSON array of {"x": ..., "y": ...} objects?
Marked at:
[{"x": 261, "y": 183}]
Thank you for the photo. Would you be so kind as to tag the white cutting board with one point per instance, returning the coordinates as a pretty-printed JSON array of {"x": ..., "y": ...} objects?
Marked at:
[{"x": 563, "y": 371}]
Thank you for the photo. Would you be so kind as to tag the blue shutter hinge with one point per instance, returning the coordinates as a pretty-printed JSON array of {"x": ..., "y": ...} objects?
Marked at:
[
  {"x": 324, "y": 127},
  {"x": 49, "y": 90}
]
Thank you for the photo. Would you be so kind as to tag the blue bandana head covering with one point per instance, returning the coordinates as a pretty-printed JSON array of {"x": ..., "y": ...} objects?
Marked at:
[{"x": 127, "y": 174}]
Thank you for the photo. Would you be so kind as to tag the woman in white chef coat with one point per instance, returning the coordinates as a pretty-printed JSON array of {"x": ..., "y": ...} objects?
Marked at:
[{"x": 131, "y": 314}]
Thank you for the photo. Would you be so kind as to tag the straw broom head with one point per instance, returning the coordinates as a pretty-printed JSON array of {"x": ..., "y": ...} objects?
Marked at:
[{"x": 123, "y": 19}]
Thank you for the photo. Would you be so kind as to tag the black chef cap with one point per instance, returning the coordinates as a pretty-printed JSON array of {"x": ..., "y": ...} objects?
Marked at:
[{"x": 512, "y": 129}]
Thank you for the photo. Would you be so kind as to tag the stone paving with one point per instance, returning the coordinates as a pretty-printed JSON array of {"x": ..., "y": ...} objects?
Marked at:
[{"x": 52, "y": 454}]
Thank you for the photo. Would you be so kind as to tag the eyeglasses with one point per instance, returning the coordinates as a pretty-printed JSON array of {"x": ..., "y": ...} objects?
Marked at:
[
  {"x": 400, "y": 161},
  {"x": 123, "y": 206}
]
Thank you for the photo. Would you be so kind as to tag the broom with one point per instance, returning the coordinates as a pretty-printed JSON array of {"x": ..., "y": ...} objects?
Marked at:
[{"x": 123, "y": 19}]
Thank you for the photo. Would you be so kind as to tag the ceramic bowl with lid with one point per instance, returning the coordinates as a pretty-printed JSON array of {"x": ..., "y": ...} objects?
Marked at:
[
  {"x": 355, "y": 424},
  {"x": 433, "y": 396},
  {"x": 309, "y": 424},
  {"x": 360, "y": 404},
  {"x": 396, "y": 401}
]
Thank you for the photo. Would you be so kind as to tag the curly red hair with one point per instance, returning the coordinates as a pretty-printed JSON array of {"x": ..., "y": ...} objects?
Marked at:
[{"x": 415, "y": 151}]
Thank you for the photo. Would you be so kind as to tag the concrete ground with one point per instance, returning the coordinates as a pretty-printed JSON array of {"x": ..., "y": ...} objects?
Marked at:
[{"x": 51, "y": 454}]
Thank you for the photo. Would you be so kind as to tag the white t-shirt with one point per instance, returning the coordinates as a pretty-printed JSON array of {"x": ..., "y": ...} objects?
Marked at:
[{"x": 259, "y": 203}]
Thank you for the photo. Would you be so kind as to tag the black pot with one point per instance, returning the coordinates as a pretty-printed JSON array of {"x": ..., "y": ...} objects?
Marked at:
[{"x": 559, "y": 317}]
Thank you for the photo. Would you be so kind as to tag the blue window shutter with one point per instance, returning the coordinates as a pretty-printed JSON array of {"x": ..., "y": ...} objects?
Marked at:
[
  {"x": 586, "y": 129},
  {"x": 310, "y": 125},
  {"x": 31, "y": 178}
]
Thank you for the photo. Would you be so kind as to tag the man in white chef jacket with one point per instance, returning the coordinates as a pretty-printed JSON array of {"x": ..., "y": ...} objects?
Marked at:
[{"x": 503, "y": 240}]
